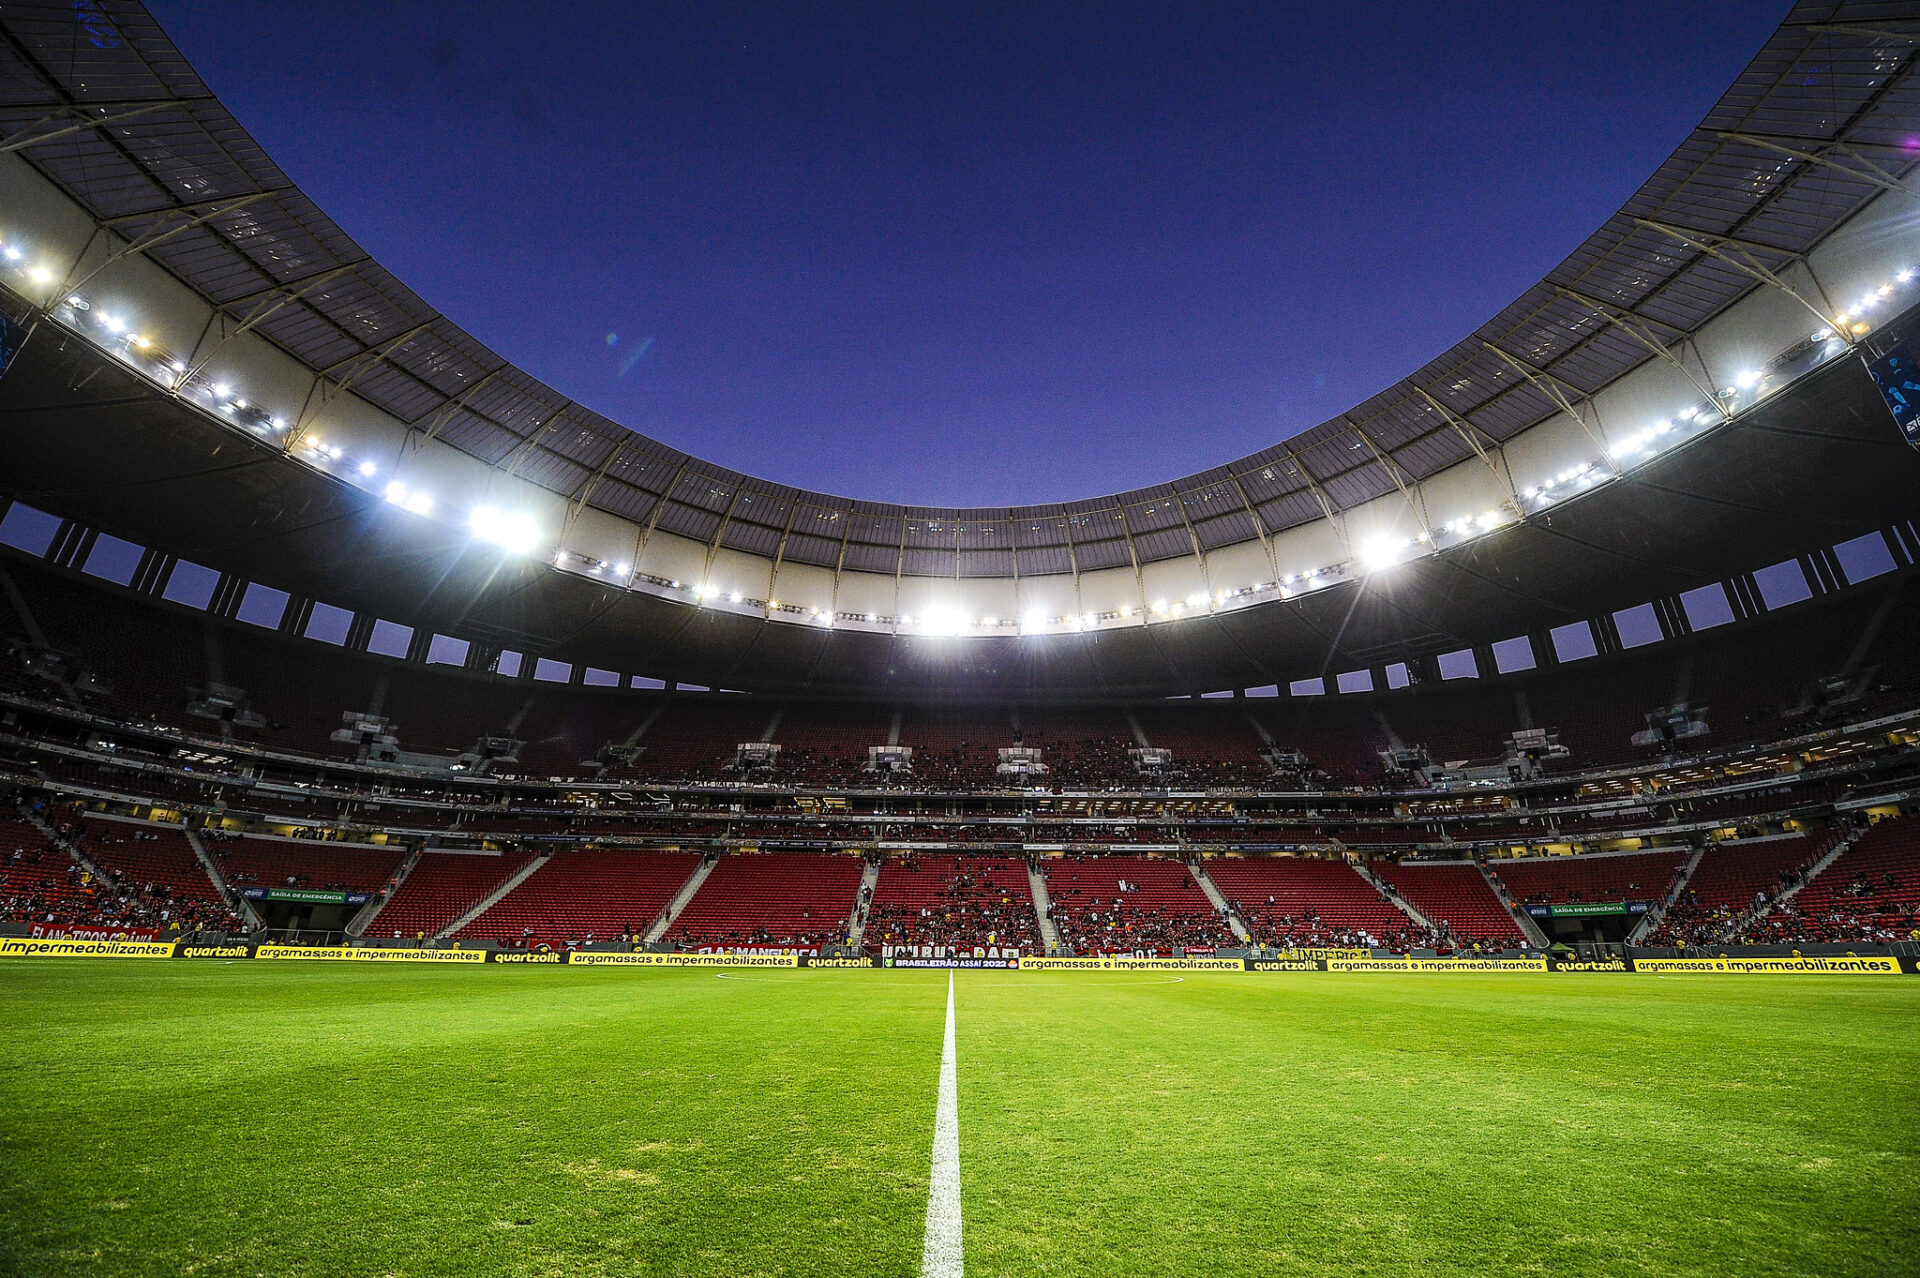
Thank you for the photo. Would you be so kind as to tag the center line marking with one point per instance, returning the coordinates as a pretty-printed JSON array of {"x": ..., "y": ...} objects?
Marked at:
[{"x": 943, "y": 1257}]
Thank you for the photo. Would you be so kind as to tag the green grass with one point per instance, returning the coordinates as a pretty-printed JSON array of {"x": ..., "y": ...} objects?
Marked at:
[{"x": 244, "y": 1118}]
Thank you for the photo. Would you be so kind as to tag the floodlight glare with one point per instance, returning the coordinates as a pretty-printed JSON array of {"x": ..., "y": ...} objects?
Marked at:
[{"x": 511, "y": 530}]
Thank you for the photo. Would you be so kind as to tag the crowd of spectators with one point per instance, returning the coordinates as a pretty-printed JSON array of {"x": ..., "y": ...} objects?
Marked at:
[
  {"x": 965, "y": 910},
  {"x": 46, "y": 885}
]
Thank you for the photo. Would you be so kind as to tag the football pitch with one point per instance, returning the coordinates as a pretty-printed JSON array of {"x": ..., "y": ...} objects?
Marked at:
[{"x": 257, "y": 1119}]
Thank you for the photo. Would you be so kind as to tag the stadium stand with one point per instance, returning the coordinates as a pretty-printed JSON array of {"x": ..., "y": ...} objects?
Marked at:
[
  {"x": 959, "y": 901},
  {"x": 1116, "y": 904},
  {"x": 1455, "y": 897},
  {"x": 1308, "y": 901},
  {"x": 440, "y": 888},
  {"x": 580, "y": 897},
  {"x": 776, "y": 899},
  {"x": 1871, "y": 892}
]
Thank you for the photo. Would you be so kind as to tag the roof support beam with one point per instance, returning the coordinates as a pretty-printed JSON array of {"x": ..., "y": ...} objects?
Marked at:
[
  {"x": 1640, "y": 329},
  {"x": 1334, "y": 515},
  {"x": 1862, "y": 168},
  {"x": 1412, "y": 495},
  {"x": 1551, "y": 388},
  {"x": 327, "y": 388},
  {"x": 1739, "y": 254},
  {"x": 158, "y": 235},
  {"x": 1472, "y": 435},
  {"x": 16, "y": 142},
  {"x": 271, "y": 300},
  {"x": 442, "y": 415}
]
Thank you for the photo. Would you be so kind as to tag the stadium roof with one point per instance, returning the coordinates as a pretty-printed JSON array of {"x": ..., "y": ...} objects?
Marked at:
[{"x": 97, "y": 98}]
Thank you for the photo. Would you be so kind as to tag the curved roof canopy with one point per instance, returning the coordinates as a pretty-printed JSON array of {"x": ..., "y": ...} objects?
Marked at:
[{"x": 100, "y": 101}]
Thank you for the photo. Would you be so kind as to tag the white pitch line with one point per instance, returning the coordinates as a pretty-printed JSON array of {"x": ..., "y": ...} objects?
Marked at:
[{"x": 943, "y": 1256}]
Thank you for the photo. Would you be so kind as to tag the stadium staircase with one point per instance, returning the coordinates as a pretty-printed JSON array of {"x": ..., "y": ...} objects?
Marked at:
[
  {"x": 1522, "y": 919},
  {"x": 1651, "y": 919},
  {"x": 359, "y": 923},
  {"x": 486, "y": 902},
  {"x": 71, "y": 848},
  {"x": 244, "y": 907},
  {"x": 680, "y": 899},
  {"x": 1748, "y": 918},
  {"x": 863, "y": 904},
  {"x": 1043, "y": 908},
  {"x": 1393, "y": 895},
  {"x": 1232, "y": 916}
]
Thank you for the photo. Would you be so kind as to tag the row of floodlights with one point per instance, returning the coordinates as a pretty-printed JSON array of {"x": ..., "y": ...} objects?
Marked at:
[{"x": 519, "y": 533}]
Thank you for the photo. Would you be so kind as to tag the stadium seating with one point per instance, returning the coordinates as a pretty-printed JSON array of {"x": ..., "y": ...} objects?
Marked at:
[
  {"x": 1160, "y": 907},
  {"x": 1731, "y": 877},
  {"x": 245, "y": 862},
  {"x": 1455, "y": 897},
  {"x": 1871, "y": 892},
  {"x": 960, "y": 901},
  {"x": 583, "y": 895},
  {"x": 777, "y": 899},
  {"x": 441, "y": 887},
  {"x": 157, "y": 864},
  {"x": 1557, "y": 880},
  {"x": 1306, "y": 901}
]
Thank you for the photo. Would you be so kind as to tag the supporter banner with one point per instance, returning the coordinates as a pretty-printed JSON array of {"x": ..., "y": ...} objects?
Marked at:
[
  {"x": 614, "y": 958},
  {"x": 814, "y": 960},
  {"x": 368, "y": 954},
  {"x": 81, "y": 932},
  {"x": 234, "y": 950},
  {"x": 306, "y": 896},
  {"x": 1007, "y": 963},
  {"x": 1811, "y": 965},
  {"x": 69, "y": 947},
  {"x": 1121, "y": 963},
  {"x": 1411, "y": 964}
]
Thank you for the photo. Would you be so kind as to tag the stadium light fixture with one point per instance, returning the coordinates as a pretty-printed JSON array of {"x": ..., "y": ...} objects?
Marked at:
[
  {"x": 944, "y": 620},
  {"x": 417, "y": 503},
  {"x": 1381, "y": 552},
  {"x": 368, "y": 469},
  {"x": 511, "y": 530},
  {"x": 40, "y": 275},
  {"x": 13, "y": 254}
]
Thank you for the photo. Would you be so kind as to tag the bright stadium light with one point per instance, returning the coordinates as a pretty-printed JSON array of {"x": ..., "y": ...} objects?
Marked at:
[
  {"x": 1381, "y": 552},
  {"x": 368, "y": 469},
  {"x": 511, "y": 530},
  {"x": 944, "y": 620}
]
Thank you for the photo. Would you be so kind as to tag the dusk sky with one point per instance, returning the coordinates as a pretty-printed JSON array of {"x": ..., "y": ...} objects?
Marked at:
[{"x": 969, "y": 254}]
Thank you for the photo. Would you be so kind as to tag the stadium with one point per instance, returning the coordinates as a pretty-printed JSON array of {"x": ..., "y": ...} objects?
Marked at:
[{"x": 1480, "y": 833}]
